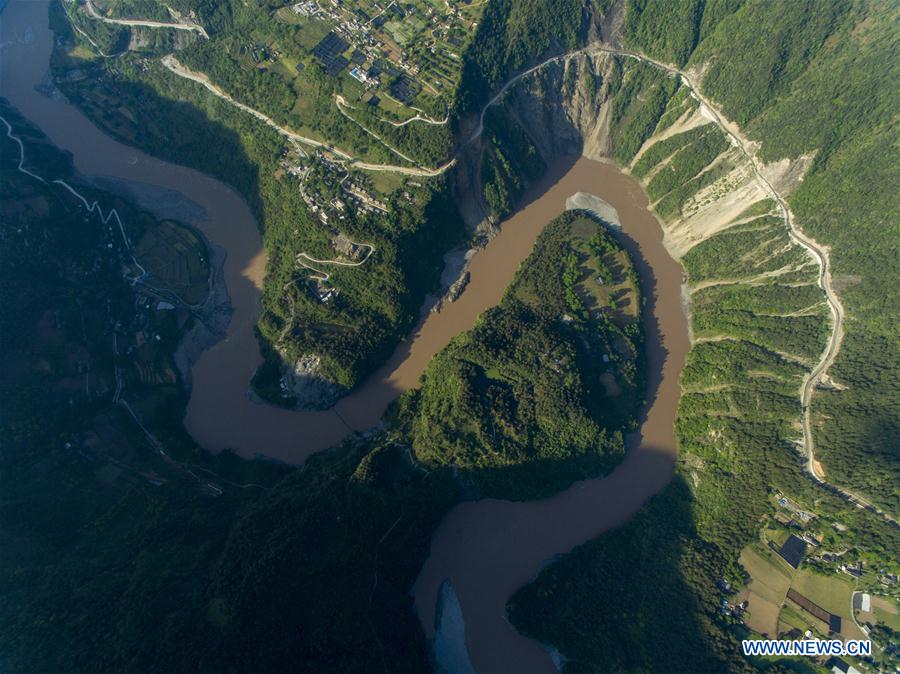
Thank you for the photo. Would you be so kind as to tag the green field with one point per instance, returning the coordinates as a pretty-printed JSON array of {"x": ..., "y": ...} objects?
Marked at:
[
  {"x": 884, "y": 609},
  {"x": 770, "y": 579}
]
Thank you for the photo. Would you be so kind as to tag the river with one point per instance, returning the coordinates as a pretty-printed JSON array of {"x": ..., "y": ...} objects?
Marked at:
[
  {"x": 490, "y": 548},
  {"x": 487, "y": 548}
]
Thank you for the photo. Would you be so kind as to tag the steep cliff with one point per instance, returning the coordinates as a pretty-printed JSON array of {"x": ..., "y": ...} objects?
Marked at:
[{"x": 602, "y": 106}]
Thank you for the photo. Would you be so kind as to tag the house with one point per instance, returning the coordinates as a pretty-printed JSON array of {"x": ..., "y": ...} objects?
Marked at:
[
  {"x": 834, "y": 624},
  {"x": 781, "y": 518},
  {"x": 855, "y": 571},
  {"x": 360, "y": 75}
]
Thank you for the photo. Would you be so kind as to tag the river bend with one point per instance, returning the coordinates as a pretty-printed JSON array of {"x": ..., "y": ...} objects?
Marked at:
[{"x": 488, "y": 548}]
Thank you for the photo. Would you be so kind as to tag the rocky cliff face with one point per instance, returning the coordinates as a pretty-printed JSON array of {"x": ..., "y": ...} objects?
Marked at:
[
  {"x": 305, "y": 382},
  {"x": 561, "y": 111},
  {"x": 567, "y": 108}
]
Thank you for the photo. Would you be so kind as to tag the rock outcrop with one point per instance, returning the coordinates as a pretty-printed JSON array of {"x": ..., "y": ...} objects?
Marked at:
[
  {"x": 567, "y": 108},
  {"x": 305, "y": 382}
]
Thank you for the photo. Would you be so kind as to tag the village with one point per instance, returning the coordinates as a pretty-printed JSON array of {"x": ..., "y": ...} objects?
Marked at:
[
  {"x": 407, "y": 46},
  {"x": 336, "y": 196},
  {"x": 805, "y": 579},
  {"x": 401, "y": 59}
]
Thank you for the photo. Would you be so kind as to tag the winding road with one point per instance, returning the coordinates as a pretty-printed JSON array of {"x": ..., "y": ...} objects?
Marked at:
[
  {"x": 184, "y": 25},
  {"x": 90, "y": 207},
  {"x": 425, "y": 119},
  {"x": 341, "y": 263},
  {"x": 816, "y": 250},
  {"x": 176, "y": 67},
  {"x": 242, "y": 279},
  {"x": 341, "y": 104}
]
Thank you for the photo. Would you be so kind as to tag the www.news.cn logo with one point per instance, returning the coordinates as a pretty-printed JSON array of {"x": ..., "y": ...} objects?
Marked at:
[{"x": 809, "y": 647}]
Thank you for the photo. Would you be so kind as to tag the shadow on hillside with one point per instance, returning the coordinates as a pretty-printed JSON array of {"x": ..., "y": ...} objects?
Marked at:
[{"x": 636, "y": 603}]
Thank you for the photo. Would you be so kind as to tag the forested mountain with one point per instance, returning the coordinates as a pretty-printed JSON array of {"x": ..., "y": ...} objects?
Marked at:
[
  {"x": 254, "y": 565},
  {"x": 120, "y": 527},
  {"x": 815, "y": 79},
  {"x": 809, "y": 82}
]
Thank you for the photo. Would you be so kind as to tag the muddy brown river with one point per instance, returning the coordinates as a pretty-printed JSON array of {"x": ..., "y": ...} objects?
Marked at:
[{"x": 488, "y": 548}]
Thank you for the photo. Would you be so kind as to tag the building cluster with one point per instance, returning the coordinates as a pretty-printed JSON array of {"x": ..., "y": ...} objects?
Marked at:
[
  {"x": 804, "y": 540},
  {"x": 733, "y": 609},
  {"x": 364, "y": 39},
  {"x": 259, "y": 52},
  {"x": 797, "y": 515},
  {"x": 332, "y": 194},
  {"x": 729, "y": 608},
  {"x": 886, "y": 579},
  {"x": 314, "y": 170},
  {"x": 322, "y": 291}
]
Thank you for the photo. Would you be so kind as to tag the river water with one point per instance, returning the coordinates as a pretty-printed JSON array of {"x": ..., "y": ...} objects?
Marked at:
[
  {"x": 487, "y": 548},
  {"x": 490, "y": 548}
]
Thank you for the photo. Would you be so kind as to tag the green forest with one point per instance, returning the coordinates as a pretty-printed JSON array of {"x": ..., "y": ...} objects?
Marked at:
[
  {"x": 189, "y": 125},
  {"x": 247, "y": 565},
  {"x": 736, "y": 429},
  {"x": 521, "y": 405},
  {"x": 225, "y": 557},
  {"x": 816, "y": 78}
]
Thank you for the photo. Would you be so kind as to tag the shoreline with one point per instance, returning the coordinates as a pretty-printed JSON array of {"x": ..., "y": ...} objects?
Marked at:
[
  {"x": 220, "y": 416},
  {"x": 212, "y": 317},
  {"x": 487, "y": 549}
]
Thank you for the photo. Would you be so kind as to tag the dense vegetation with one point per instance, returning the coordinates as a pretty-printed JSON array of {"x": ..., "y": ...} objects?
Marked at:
[
  {"x": 305, "y": 100},
  {"x": 630, "y": 599},
  {"x": 377, "y": 303},
  {"x": 133, "y": 9},
  {"x": 107, "y": 540},
  {"x": 761, "y": 323},
  {"x": 638, "y": 102},
  {"x": 510, "y": 163},
  {"x": 816, "y": 78},
  {"x": 252, "y": 565},
  {"x": 521, "y": 404},
  {"x": 95, "y": 521},
  {"x": 512, "y": 408},
  {"x": 511, "y": 36}
]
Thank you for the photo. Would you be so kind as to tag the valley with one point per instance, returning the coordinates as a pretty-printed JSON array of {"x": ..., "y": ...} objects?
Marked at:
[{"x": 531, "y": 413}]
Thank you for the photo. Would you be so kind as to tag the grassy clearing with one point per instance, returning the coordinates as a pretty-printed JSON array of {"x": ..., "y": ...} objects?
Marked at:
[
  {"x": 770, "y": 581},
  {"x": 830, "y": 592},
  {"x": 885, "y": 610},
  {"x": 386, "y": 182},
  {"x": 792, "y": 618}
]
